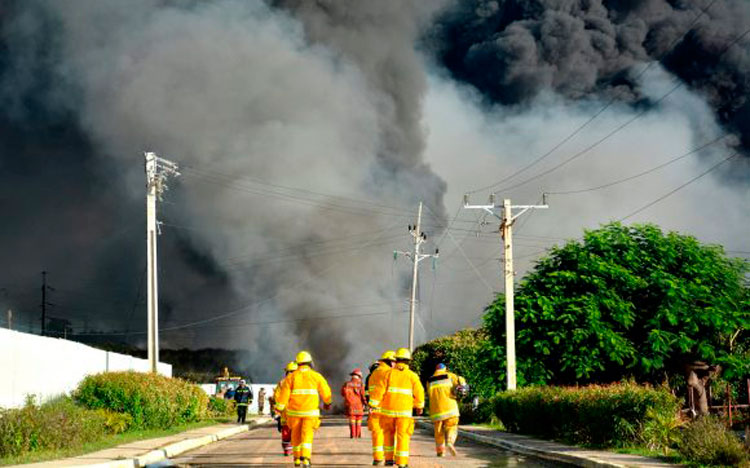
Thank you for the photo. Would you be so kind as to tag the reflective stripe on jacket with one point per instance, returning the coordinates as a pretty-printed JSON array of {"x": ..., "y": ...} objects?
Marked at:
[
  {"x": 243, "y": 396},
  {"x": 301, "y": 391},
  {"x": 443, "y": 404},
  {"x": 399, "y": 392},
  {"x": 353, "y": 392},
  {"x": 377, "y": 378}
]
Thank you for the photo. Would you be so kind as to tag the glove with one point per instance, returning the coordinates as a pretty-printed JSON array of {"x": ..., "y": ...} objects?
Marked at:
[
  {"x": 327, "y": 406},
  {"x": 419, "y": 411}
]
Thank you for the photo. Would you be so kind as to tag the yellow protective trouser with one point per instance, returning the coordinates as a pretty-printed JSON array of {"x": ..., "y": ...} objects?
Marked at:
[
  {"x": 302, "y": 435},
  {"x": 446, "y": 431},
  {"x": 376, "y": 430},
  {"x": 397, "y": 434}
]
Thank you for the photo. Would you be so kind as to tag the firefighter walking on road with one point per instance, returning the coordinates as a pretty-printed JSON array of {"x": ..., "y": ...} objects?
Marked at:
[
  {"x": 353, "y": 392},
  {"x": 243, "y": 396},
  {"x": 444, "y": 388},
  {"x": 395, "y": 397},
  {"x": 375, "y": 378},
  {"x": 300, "y": 395},
  {"x": 286, "y": 433}
]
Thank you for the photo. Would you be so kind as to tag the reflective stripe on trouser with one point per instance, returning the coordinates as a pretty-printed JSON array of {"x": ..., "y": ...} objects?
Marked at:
[
  {"x": 355, "y": 425},
  {"x": 446, "y": 431},
  {"x": 302, "y": 435},
  {"x": 286, "y": 439},
  {"x": 397, "y": 435},
  {"x": 376, "y": 431}
]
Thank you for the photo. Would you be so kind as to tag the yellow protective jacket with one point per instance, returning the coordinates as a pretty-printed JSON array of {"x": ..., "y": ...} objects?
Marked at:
[
  {"x": 399, "y": 393},
  {"x": 300, "y": 393},
  {"x": 443, "y": 404},
  {"x": 275, "y": 398},
  {"x": 377, "y": 378}
]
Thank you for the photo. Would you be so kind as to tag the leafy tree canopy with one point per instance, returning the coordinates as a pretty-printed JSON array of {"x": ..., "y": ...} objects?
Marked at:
[{"x": 627, "y": 301}]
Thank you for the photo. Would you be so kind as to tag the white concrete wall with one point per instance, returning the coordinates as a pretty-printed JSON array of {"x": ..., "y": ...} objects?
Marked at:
[
  {"x": 269, "y": 393},
  {"x": 47, "y": 367}
]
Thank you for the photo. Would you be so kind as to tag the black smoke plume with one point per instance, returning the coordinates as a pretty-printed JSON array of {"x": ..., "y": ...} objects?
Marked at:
[{"x": 512, "y": 50}]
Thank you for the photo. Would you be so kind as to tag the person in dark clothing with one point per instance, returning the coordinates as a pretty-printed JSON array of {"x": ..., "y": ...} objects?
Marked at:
[{"x": 243, "y": 396}]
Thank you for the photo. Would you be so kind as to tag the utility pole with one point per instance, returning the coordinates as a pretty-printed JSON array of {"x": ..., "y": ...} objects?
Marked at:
[
  {"x": 506, "y": 229},
  {"x": 10, "y": 319},
  {"x": 157, "y": 171},
  {"x": 416, "y": 257},
  {"x": 44, "y": 305}
]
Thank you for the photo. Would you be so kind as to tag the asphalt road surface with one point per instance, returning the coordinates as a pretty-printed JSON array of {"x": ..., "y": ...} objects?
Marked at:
[{"x": 333, "y": 447}]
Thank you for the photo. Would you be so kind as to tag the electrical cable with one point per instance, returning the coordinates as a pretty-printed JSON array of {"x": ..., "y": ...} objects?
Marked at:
[
  {"x": 670, "y": 193},
  {"x": 599, "y": 112}
]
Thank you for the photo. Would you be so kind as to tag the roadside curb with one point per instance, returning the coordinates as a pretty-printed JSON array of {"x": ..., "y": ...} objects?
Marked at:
[
  {"x": 176, "y": 448},
  {"x": 550, "y": 455}
]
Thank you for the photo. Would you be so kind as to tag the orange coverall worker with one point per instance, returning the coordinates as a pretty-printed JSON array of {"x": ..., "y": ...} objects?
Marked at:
[
  {"x": 353, "y": 392},
  {"x": 300, "y": 395},
  {"x": 373, "y": 421},
  {"x": 398, "y": 394},
  {"x": 444, "y": 408}
]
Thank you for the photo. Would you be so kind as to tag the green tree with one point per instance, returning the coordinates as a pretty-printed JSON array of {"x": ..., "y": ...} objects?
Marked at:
[
  {"x": 468, "y": 353},
  {"x": 628, "y": 301}
]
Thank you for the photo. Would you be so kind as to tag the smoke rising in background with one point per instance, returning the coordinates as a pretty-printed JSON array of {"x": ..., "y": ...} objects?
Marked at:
[{"x": 385, "y": 102}]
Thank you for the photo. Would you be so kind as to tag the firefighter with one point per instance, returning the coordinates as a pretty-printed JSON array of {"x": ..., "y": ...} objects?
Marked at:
[
  {"x": 396, "y": 397},
  {"x": 373, "y": 422},
  {"x": 243, "y": 396},
  {"x": 300, "y": 396},
  {"x": 444, "y": 388},
  {"x": 283, "y": 427},
  {"x": 370, "y": 370},
  {"x": 353, "y": 392}
]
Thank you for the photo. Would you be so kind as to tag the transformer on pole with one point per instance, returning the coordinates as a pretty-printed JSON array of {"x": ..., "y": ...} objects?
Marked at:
[{"x": 157, "y": 172}]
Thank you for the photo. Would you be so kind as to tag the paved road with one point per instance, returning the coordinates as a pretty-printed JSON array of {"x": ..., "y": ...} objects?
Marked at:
[{"x": 262, "y": 447}]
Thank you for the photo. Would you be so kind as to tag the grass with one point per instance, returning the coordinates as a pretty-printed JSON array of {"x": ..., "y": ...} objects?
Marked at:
[
  {"x": 109, "y": 442},
  {"x": 674, "y": 456}
]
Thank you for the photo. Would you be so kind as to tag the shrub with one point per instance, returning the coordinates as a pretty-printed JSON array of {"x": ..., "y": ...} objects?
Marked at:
[
  {"x": 613, "y": 415},
  {"x": 57, "y": 424},
  {"x": 483, "y": 414},
  {"x": 220, "y": 407},
  {"x": 707, "y": 441},
  {"x": 151, "y": 400},
  {"x": 467, "y": 353}
]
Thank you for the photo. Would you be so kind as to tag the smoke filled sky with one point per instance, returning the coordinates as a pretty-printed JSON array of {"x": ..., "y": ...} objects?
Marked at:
[{"x": 307, "y": 132}]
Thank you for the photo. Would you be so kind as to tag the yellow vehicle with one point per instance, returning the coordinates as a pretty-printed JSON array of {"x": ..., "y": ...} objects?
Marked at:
[{"x": 225, "y": 383}]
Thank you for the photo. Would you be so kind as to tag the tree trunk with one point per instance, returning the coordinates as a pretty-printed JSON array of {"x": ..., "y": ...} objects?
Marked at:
[{"x": 699, "y": 390}]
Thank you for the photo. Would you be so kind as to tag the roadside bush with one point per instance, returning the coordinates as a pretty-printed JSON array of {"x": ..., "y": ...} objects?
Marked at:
[
  {"x": 152, "y": 401},
  {"x": 613, "y": 415},
  {"x": 218, "y": 407},
  {"x": 707, "y": 441},
  {"x": 57, "y": 424},
  {"x": 483, "y": 414}
]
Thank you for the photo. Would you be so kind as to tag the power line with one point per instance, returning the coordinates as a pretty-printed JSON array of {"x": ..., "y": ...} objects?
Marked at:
[
  {"x": 599, "y": 112},
  {"x": 640, "y": 174},
  {"x": 670, "y": 193}
]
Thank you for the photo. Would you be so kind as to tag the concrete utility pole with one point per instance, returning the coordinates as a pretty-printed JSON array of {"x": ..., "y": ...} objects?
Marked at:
[
  {"x": 157, "y": 171},
  {"x": 10, "y": 319},
  {"x": 416, "y": 257},
  {"x": 506, "y": 229}
]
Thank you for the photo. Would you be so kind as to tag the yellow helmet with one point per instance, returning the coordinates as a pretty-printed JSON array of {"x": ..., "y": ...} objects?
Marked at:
[
  {"x": 303, "y": 357},
  {"x": 403, "y": 354},
  {"x": 388, "y": 356},
  {"x": 291, "y": 367}
]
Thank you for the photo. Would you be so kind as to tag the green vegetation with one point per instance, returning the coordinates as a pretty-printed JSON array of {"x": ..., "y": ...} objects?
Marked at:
[
  {"x": 707, "y": 441},
  {"x": 153, "y": 401},
  {"x": 105, "y": 410},
  {"x": 613, "y": 415},
  {"x": 219, "y": 407},
  {"x": 625, "y": 303},
  {"x": 628, "y": 301}
]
